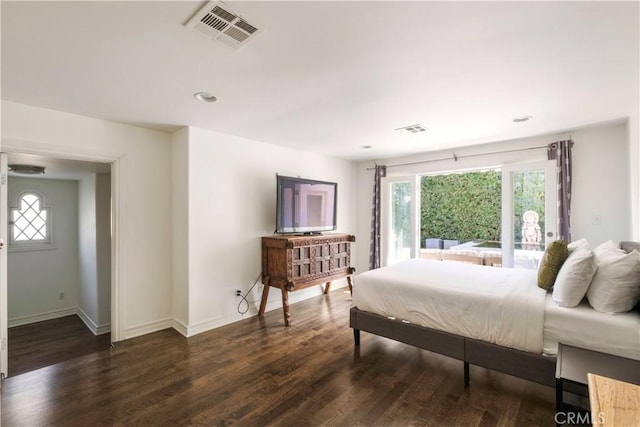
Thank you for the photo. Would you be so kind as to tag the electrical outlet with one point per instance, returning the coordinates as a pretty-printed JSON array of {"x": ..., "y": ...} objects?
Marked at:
[
  {"x": 596, "y": 219},
  {"x": 61, "y": 295},
  {"x": 238, "y": 292}
]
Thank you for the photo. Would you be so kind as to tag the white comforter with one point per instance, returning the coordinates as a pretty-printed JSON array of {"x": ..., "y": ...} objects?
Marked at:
[{"x": 499, "y": 305}]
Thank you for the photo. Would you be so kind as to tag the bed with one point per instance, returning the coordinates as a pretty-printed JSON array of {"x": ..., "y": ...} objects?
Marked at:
[{"x": 509, "y": 324}]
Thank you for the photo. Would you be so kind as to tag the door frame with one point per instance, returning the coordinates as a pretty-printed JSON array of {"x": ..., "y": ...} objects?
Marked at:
[
  {"x": 117, "y": 303},
  {"x": 4, "y": 316}
]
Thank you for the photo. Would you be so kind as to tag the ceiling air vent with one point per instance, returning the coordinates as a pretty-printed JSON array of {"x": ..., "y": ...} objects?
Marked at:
[
  {"x": 413, "y": 128},
  {"x": 218, "y": 21}
]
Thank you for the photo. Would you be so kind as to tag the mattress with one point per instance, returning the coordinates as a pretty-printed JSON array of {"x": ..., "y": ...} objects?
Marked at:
[
  {"x": 497, "y": 305},
  {"x": 584, "y": 327}
]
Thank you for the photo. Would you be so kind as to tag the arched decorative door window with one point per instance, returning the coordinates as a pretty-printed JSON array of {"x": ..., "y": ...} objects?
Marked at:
[{"x": 30, "y": 221}]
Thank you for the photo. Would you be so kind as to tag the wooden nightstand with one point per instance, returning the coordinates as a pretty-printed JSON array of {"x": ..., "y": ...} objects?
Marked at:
[
  {"x": 574, "y": 363},
  {"x": 613, "y": 402}
]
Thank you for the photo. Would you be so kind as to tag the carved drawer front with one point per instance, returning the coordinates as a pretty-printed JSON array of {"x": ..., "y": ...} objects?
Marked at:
[
  {"x": 300, "y": 261},
  {"x": 322, "y": 259},
  {"x": 340, "y": 256}
]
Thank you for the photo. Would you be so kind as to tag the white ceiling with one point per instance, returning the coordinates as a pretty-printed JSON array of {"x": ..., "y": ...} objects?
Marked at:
[{"x": 332, "y": 76}]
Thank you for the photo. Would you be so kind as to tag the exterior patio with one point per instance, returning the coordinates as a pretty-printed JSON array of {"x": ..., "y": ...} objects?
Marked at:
[{"x": 484, "y": 252}]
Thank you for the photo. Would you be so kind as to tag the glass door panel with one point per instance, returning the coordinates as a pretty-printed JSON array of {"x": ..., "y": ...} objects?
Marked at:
[
  {"x": 528, "y": 218},
  {"x": 529, "y": 213},
  {"x": 398, "y": 236}
]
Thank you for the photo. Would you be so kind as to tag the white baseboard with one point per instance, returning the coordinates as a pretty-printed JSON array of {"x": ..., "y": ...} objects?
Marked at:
[
  {"x": 207, "y": 325},
  {"x": 55, "y": 314},
  {"x": 93, "y": 327},
  {"x": 274, "y": 303},
  {"x": 87, "y": 321},
  {"x": 179, "y": 326},
  {"x": 147, "y": 328},
  {"x": 104, "y": 329},
  {"x": 48, "y": 315}
]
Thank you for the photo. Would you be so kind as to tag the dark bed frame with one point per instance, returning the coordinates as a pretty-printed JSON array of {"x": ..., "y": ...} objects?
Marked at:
[
  {"x": 529, "y": 366},
  {"x": 522, "y": 364}
]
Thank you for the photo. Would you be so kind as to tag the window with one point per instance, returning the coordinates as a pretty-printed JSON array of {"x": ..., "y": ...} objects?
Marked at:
[{"x": 30, "y": 222}]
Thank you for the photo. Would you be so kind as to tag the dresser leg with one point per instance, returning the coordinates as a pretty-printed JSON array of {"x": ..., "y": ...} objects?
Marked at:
[
  {"x": 285, "y": 306},
  {"x": 265, "y": 295},
  {"x": 327, "y": 288}
]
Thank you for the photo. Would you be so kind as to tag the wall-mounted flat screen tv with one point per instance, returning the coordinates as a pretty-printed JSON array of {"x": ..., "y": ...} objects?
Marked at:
[{"x": 305, "y": 205}]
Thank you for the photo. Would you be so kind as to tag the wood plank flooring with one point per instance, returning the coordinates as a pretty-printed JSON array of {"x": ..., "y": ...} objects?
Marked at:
[
  {"x": 257, "y": 372},
  {"x": 40, "y": 344}
]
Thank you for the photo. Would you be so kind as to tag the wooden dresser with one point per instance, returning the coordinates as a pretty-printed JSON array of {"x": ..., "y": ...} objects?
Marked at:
[{"x": 293, "y": 262}]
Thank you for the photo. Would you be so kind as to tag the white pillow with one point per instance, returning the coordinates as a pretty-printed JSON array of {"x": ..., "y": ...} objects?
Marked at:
[
  {"x": 615, "y": 287},
  {"x": 578, "y": 244},
  {"x": 605, "y": 248},
  {"x": 574, "y": 278}
]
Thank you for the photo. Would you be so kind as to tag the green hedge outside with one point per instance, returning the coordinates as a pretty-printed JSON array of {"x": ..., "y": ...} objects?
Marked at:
[
  {"x": 467, "y": 206},
  {"x": 461, "y": 206}
]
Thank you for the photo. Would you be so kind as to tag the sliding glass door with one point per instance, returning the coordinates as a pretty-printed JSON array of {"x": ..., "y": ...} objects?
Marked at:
[
  {"x": 399, "y": 219},
  {"x": 508, "y": 215}
]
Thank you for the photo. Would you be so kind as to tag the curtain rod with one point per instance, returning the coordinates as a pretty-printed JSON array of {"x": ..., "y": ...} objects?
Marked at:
[{"x": 456, "y": 157}]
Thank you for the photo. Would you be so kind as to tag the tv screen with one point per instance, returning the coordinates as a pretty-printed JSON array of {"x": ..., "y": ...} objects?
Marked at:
[{"x": 305, "y": 205}]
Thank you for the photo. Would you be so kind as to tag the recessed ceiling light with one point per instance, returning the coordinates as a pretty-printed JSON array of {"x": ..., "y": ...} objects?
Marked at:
[
  {"x": 205, "y": 97},
  {"x": 522, "y": 119}
]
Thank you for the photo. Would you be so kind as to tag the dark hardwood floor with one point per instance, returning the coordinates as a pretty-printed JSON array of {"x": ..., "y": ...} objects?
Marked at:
[
  {"x": 49, "y": 342},
  {"x": 256, "y": 372}
]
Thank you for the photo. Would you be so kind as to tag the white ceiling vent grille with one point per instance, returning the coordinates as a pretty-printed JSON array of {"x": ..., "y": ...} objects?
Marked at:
[
  {"x": 218, "y": 21},
  {"x": 413, "y": 128}
]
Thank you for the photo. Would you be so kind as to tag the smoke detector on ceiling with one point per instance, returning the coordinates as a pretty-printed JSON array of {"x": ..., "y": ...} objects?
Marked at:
[{"x": 219, "y": 22}]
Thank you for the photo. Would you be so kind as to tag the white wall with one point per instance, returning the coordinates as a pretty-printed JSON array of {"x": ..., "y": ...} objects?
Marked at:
[
  {"x": 142, "y": 203},
  {"x": 601, "y": 183},
  {"x": 231, "y": 205},
  {"x": 79, "y": 263},
  {"x": 88, "y": 294},
  {"x": 226, "y": 183},
  {"x": 36, "y": 277},
  {"x": 634, "y": 162},
  {"x": 103, "y": 250},
  {"x": 180, "y": 192},
  {"x": 94, "y": 304}
]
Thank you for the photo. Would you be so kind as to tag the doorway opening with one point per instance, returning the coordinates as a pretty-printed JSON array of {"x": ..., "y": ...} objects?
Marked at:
[{"x": 58, "y": 295}]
